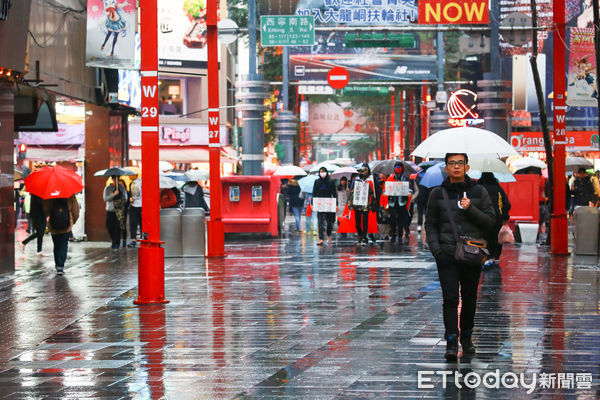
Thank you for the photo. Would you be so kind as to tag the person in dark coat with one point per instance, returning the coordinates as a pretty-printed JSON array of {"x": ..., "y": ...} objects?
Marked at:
[
  {"x": 295, "y": 202},
  {"x": 421, "y": 201},
  {"x": 473, "y": 215},
  {"x": 60, "y": 235},
  {"x": 583, "y": 189},
  {"x": 324, "y": 187},
  {"x": 194, "y": 196},
  {"x": 38, "y": 220},
  {"x": 502, "y": 206},
  {"x": 398, "y": 205}
]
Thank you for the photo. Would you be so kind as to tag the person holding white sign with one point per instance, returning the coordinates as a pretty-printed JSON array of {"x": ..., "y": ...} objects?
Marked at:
[
  {"x": 399, "y": 189},
  {"x": 324, "y": 203},
  {"x": 362, "y": 199}
]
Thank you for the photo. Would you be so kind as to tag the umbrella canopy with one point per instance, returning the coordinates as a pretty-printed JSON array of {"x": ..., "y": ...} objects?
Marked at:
[
  {"x": 344, "y": 171},
  {"x": 330, "y": 167},
  {"x": 177, "y": 176},
  {"x": 488, "y": 165},
  {"x": 197, "y": 175},
  {"x": 527, "y": 162},
  {"x": 574, "y": 163},
  {"x": 165, "y": 166},
  {"x": 53, "y": 183},
  {"x": 474, "y": 174},
  {"x": 386, "y": 167},
  {"x": 115, "y": 171},
  {"x": 434, "y": 176},
  {"x": 307, "y": 183},
  {"x": 427, "y": 164},
  {"x": 473, "y": 141},
  {"x": 165, "y": 182},
  {"x": 290, "y": 170}
]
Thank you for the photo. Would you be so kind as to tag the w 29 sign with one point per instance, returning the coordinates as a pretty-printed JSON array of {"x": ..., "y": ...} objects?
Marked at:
[
  {"x": 150, "y": 101},
  {"x": 453, "y": 12}
]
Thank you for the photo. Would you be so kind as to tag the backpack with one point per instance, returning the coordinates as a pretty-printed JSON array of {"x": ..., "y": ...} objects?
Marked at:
[{"x": 60, "y": 216}]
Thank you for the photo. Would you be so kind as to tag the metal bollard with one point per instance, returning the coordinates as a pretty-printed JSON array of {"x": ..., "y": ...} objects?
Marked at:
[
  {"x": 193, "y": 232},
  {"x": 586, "y": 230},
  {"x": 170, "y": 231}
]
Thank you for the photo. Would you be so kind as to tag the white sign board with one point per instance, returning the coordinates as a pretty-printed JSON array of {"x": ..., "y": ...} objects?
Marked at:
[
  {"x": 324, "y": 204},
  {"x": 361, "y": 194},
  {"x": 396, "y": 188}
]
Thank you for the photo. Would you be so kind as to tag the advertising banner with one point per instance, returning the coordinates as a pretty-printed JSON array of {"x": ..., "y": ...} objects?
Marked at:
[
  {"x": 324, "y": 204},
  {"x": 110, "y": 41},
  {"x": 582, "y": 89},
  {"x": 177, "y": 135},
  {"x": 359, "y": 12},
  {"x": 453, "y": 12},
  {"x": 182, "y": 33},
  {"x": 576, "y": 141}
]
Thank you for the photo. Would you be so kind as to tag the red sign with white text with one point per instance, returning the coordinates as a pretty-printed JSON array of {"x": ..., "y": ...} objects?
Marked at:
[
  {"x": 453, "y": 12},
  {"x": 575, "y": 141}
]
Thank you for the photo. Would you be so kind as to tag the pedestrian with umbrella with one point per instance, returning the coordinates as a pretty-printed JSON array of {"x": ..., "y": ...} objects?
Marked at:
[
  {"x": 115, "y": 196},
  {"x": 38, "y": 222},
  {"x": 324, "y": 188},
  {"x": 295, "y": 202},
  {"x": 57, "y": 187}
]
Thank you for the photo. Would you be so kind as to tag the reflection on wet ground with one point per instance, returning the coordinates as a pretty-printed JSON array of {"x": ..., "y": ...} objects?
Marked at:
[{"x": 287, "y": 319}]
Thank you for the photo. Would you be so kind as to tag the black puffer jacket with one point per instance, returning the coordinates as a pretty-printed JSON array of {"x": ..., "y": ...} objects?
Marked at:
[
  {"x": 473, "y": 222},
  {"x": 324, "y": 188}
]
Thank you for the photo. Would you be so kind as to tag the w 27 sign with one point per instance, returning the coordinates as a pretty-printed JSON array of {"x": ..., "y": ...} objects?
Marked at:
[{"x": 447, "y": 12}]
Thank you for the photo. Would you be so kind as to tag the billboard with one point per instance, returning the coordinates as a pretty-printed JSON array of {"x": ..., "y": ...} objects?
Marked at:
[
  {"x": 110, "y": 41},
  {"x": 582, "y": 88},
  {"x": 182, "y": 33},
  {"x": 454, "y": 12},
  {"x": 377, "y": 64},
  {"x": 359, "y": 12}
]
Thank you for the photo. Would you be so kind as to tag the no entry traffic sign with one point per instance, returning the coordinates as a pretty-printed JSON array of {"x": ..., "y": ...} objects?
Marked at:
[{"x": 338, "y": 77}]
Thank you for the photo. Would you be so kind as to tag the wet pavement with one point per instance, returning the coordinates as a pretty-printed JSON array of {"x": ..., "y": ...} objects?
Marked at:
[{"x": 284, "y": 318}]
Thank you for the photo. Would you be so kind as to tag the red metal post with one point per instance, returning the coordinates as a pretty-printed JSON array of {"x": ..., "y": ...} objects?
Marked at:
[
  {"x": 424, "y": 113},
  {"x": 401, "y": 138},
  {"x": 151, "y": 256},
  {"x": 392, "y": 124},
  {"x": 412, "y": 98},
  {"x": 559, "y": 227},
  {"x": 214, "y": 227}
]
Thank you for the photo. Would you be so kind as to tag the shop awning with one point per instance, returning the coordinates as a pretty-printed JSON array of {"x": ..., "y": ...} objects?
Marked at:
[
  {"x": 54, "y": 154},
  {"x": 181, "y": 154}
]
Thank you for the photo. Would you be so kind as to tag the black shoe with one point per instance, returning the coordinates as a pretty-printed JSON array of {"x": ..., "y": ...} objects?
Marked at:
[
  {"x": 467, "y": 343},
  {"x": 451, "y": 348},
  {"x": 393, "y": 238},
  {"x": 60, "y": 271}
]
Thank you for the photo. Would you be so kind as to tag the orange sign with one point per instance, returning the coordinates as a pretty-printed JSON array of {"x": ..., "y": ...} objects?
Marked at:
[
  {"x": 453, "y": 12},
  {"x": 575, "y": 141}
]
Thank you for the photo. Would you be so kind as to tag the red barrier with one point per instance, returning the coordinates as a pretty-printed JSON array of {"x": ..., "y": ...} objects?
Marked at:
[
  {"x": 250, "y": 204},
  {"x": 524, "y": 196}
]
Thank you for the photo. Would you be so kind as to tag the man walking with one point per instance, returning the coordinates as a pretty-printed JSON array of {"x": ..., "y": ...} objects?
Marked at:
[
  {"x": 472, "y": 214},
  {"x": 62, "y": 213},
  {"x": 38, "y": 221}
]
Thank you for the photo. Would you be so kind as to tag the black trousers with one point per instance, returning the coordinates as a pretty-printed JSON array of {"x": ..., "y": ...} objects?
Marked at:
[
  {"x": 492, "y": 241},
  {"x": 400, "y": 220},
  {"x": 61, "y": 246},
  {"x": 135, "y": 221},
  {"x": 114, "y": 228},
  {"x": 458, "y": 281},
  {"x": 325, "y": 220},
  {"x": 362, "y": 223},
  {"x": 39, "y": 229},
  {"x": 421, "y": 213}
]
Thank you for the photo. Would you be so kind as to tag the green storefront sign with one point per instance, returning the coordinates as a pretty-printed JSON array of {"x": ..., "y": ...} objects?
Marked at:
[{"x": 287, "y": 30}]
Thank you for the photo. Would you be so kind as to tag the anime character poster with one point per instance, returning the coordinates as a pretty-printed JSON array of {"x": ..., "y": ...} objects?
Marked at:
[
  {"x": 582, "y": 89},
  {"x": 111, "y": 34}
]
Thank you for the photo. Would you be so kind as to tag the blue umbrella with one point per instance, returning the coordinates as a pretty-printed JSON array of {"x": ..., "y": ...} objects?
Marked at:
[
  {"x": 434, "y": 176},
  {"x": 307, "y": 183}
]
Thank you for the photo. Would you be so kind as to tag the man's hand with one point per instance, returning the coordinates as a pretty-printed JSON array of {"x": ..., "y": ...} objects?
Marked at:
[{"x": 465, "y": 202}]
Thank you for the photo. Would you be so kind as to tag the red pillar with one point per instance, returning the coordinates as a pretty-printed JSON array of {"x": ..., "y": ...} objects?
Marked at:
[
  {"x": 214, "y": 227},
  {"x": 424, "y": 113},
  {"x": 559, "y": 227},
  {"x": 392, "y": 124},
  {"x": 412, "y": 98},
  {"x": 401, "y": 138},
  {"x": 151, "y": 256}
]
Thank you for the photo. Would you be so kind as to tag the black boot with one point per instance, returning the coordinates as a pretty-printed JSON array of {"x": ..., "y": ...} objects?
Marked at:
[
  {"x": 467, "y": 343},
  {"x": 451, "y": 348}
]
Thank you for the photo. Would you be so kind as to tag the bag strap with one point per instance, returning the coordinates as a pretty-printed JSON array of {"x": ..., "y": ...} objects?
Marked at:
[{"x": 450, "y": 217}]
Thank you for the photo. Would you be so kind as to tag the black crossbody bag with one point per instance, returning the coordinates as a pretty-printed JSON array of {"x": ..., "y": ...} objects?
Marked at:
[{"x": 469, "y": 250}]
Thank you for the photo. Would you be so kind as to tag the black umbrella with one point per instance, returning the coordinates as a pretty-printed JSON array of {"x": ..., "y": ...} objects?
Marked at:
[
  {"x": 115, "y": 171},
  {"x": 386, "y": 167}
]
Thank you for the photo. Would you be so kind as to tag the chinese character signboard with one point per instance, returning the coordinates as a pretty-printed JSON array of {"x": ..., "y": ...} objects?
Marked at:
[
  {"x": 324, "y": 204},
  {"x": 361, "y": 194},
  {"x": 396, "y": 188},
  {"x": 582, "y": 88},
  {"x": 360, "y": 12},
  {"x": 453, "y": 12},
  {"x": 287, "y": 30}
]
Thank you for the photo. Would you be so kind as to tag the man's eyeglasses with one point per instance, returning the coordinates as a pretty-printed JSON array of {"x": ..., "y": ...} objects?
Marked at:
[{"x": 456, "y": 163}]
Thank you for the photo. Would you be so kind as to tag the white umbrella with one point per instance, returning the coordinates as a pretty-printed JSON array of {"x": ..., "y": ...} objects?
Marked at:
[
  {"x": 473, "y": 141},
  {"x": 328, "y": 166},
  {"x": 488, "y": 165},
  {"x": 527, "y": 162},
  {"x": 290, "y": 170},
  {"x": 164, "y": 182},
  {"x": 572, "y": 164},
  {"x": 165, "y": 166},
  {"x": 197, "y": 175},
  {"x": 344, "y": 171}
]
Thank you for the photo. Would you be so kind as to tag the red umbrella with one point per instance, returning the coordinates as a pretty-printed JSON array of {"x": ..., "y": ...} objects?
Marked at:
[{"x": 53, "y": 183}]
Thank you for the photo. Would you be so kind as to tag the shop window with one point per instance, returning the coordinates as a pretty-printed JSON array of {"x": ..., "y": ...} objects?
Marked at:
[{"x": 170, "y": 93}]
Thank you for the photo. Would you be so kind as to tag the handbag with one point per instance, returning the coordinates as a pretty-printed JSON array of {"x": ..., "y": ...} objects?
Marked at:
[
  {"x": 505, "y": 235},
  {"x": 468, "y": 250}
]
